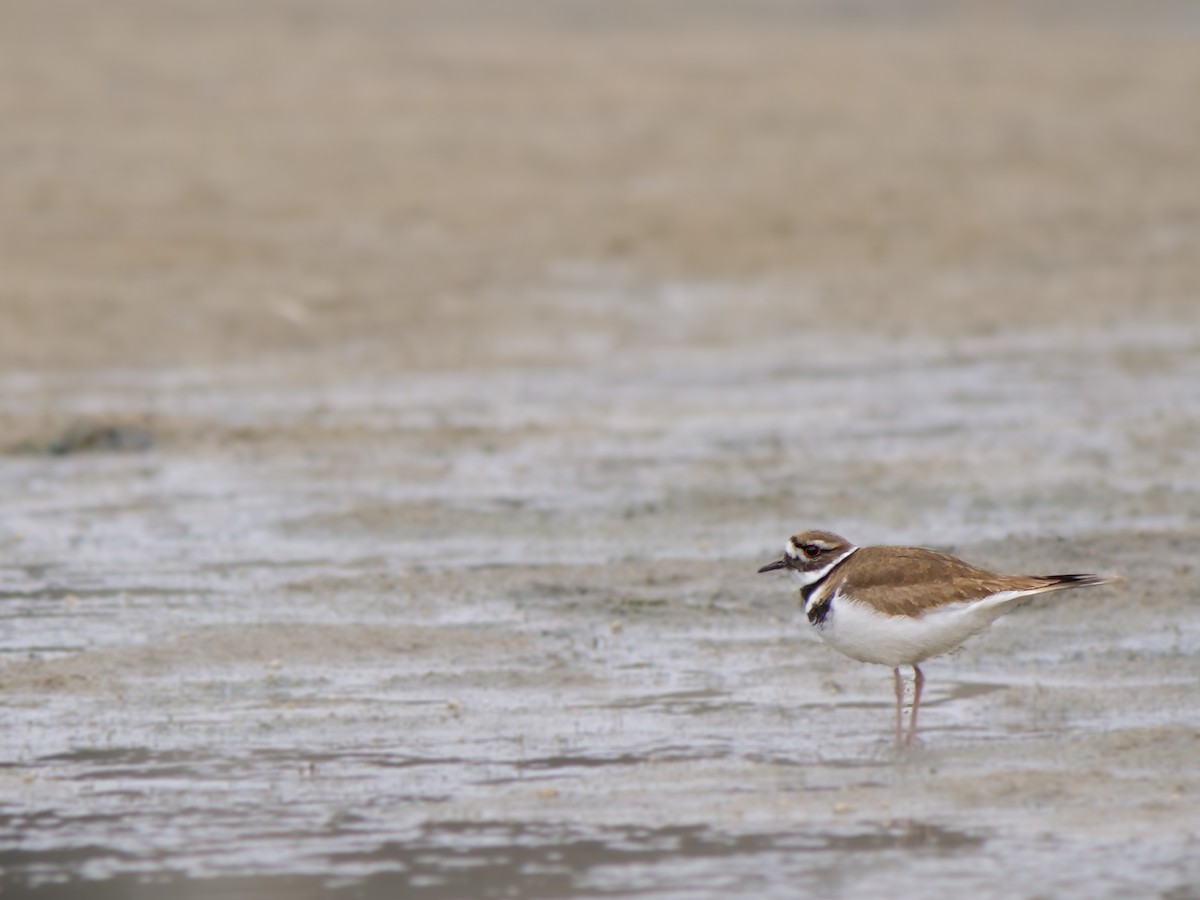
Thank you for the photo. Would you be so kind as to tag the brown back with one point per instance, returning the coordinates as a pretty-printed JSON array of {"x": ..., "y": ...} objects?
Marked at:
[{"x": 904, "y": 581}]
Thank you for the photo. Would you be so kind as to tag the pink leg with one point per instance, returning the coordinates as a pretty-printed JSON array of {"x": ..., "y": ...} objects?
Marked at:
[
  {"x": 899, "y": 682},
  {"x": 918, "y": 683}
]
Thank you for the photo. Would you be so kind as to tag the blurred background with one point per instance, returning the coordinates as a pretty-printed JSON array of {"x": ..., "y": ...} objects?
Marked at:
[
  {"x": 191, "y": 183},
  {"x": 398, "y": 397}
]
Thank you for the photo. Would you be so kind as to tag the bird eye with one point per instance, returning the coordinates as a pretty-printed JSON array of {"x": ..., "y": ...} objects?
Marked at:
[{"x": 812, "y": 551}]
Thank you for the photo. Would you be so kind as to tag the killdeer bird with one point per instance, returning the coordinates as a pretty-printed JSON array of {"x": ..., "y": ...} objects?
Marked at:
[{"x": 899, "y": 606}]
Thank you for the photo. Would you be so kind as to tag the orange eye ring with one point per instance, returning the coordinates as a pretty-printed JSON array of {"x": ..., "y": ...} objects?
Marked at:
[{"x": 812, "y": 551}]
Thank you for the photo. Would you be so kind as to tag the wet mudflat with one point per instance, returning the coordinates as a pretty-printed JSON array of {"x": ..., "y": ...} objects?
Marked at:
[
  {"x": 397, "y": 401},
  {"x": 542, "y": 664}
]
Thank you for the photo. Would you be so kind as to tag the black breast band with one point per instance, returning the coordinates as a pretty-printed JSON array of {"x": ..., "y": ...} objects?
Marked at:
[{"x": 818, "y": 612}]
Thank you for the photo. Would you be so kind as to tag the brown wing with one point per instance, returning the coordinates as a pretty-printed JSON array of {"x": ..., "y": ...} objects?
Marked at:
[{"x": 905, "y": 581}]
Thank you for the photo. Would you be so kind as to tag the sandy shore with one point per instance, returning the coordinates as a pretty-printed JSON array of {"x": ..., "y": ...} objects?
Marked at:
[
  {"x": 195, "y": 182},
  {"x": 487, "y": 354}
]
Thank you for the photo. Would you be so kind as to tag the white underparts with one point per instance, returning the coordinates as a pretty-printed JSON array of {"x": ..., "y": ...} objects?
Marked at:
[{"x": 863, "y": 633}]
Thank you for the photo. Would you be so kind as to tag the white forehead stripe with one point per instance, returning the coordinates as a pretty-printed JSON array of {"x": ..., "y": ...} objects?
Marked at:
[{"x": 794, "y": 550}]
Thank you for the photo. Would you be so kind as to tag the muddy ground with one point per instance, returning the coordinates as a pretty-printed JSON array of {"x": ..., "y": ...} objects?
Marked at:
[{"x": 483, "y": 355}]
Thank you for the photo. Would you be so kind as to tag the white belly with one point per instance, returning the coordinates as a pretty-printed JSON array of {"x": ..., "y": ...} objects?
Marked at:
[{"x": 861, "y": 633}]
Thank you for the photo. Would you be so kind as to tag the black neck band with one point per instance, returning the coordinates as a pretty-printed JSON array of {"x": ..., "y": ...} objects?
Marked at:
[{"x": 818, "y": 612}]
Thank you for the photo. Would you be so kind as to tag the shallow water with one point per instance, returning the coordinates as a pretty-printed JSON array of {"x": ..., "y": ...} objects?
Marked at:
[{"x": 499, "y": 633}]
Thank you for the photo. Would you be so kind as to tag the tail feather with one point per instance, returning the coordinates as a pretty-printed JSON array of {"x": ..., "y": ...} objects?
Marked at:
[{"x": 1061, "y": 582}]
